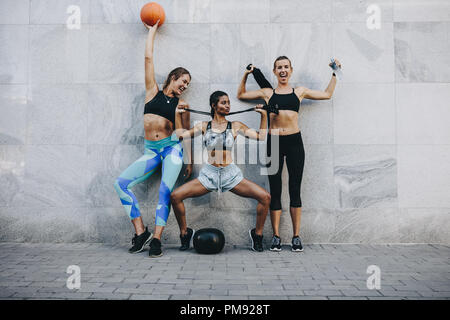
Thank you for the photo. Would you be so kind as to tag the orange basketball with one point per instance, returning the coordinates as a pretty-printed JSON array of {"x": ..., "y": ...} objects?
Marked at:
[{"x": 152, "y": 12}]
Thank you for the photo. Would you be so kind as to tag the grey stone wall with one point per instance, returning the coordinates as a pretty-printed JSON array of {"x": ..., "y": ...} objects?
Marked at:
[{"x": 377, "y": 154}]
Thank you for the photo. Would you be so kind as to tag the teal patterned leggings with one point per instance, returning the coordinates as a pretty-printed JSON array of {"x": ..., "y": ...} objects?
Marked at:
[{"x": 167, "y": 152}]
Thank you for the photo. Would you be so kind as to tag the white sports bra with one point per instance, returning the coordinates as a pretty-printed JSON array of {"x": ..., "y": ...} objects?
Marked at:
[{"x": 218, "y": 140}]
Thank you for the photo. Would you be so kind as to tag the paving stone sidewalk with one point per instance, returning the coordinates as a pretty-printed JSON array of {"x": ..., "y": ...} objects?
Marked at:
[{"x": 326, "y": 271}]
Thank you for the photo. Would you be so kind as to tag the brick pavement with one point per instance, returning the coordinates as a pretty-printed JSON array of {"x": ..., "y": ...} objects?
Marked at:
[{"x": 327, "y": 271}]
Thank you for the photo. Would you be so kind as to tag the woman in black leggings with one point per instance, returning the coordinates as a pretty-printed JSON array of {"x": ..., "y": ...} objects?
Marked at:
[{"x": 284, "y": 130}]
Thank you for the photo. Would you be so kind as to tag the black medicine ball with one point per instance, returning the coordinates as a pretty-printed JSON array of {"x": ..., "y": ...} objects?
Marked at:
[{"x": 208, "y": 241}]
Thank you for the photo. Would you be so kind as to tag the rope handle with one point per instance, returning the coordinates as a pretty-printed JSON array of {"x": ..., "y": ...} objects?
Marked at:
[{"x": 268, "y": 108}]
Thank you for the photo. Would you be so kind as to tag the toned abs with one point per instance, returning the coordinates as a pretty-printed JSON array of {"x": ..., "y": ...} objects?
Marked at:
[{"x": 157, "y": 127}]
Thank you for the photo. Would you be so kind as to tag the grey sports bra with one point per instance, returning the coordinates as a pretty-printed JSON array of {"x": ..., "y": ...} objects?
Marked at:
[{"x": 218, "y": 140}]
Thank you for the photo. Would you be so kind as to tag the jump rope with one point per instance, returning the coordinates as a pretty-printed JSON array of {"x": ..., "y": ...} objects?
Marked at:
[{"x": 262, "y": 82}]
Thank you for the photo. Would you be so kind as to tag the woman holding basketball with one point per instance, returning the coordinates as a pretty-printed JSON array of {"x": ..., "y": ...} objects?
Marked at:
[
  {"x": 220, "y": 173},
  {"x": 161, "y": 148},
  {"x": 285, "y": 131}
]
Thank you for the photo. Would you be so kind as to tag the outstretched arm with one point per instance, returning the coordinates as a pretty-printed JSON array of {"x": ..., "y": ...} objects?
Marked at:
[
  {"x": 320, "y": 95},
  {"x": 252, "y": 133},
  {"x": 182, "y": 131},
  {"x": 151, "y": 87}
]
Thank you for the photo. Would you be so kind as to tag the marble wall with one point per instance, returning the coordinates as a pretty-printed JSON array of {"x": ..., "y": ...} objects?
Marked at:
[{"x": 377, "y": 154}]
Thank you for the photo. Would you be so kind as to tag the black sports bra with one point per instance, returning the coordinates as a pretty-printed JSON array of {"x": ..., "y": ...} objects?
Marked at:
[
  {"x": 163, "y": 106},
  {"x": 287, "y": 101}
]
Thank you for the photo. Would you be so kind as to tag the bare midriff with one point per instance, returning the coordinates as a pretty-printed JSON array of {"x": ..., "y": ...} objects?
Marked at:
[
  {"x": 220, "y": 158},
  {"x": 157, "y": 127},
  {"x": 286, "y": 122}
]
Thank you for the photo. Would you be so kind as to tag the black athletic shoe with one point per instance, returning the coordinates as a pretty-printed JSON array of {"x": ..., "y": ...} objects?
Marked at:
[
  {"x": 155, "y": 248},
  {"x": 139, "y": 241},
  {"x": 297, "y": 244},
  {"x": 186, "y": 239},
  {"x": 256, "y": 241},
  {"x": 276, "y": 244}
]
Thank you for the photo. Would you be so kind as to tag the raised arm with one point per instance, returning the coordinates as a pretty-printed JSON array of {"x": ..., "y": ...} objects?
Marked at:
[
  {"x": 151, "y": 87},
  {"x": 243, "y": 94},
  {"x": 317, "y": 94},
  {"x": 252, "y": 133}
]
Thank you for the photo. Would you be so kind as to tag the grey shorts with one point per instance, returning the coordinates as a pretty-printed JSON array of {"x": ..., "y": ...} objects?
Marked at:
[{"x": 220, "y": 179}]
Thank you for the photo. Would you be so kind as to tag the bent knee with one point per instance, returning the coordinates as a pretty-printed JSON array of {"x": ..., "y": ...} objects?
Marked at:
[
  {"x": 175, "y": 197},
  {"x": 266, "y": 198},
  {"x": 117, "y": 185}
]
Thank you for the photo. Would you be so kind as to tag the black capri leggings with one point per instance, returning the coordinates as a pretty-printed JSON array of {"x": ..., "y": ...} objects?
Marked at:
[{"x": 290, "y": 146}]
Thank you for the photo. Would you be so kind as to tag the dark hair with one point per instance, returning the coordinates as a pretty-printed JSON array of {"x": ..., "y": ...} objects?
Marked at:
[
  {"x": 281, "y": 58},
  {"x": 175, "y": 74},
  {"x": 214, "y": 98}
]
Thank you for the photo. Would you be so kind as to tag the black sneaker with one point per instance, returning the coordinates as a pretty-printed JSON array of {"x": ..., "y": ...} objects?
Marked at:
[
  {"x": 186, "y": 239},
  {"x": 297, "y": 244},
  {"x": 256, "y": 241},
  {"x": 276, "y": 244},
  {"x": 155, "y": 248},
  {"x": 140, "y": 241}
]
